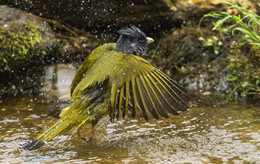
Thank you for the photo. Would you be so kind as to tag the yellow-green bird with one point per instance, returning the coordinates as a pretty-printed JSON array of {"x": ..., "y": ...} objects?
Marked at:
[{"x": 115, "y": 80}]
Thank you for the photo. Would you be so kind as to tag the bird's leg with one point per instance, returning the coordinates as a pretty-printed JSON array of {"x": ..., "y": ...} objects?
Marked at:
[
  {"x": 91, "y": 137},
  {"x": 92, "y": 134}
]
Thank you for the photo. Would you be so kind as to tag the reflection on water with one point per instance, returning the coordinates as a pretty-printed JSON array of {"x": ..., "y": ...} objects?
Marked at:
[
  {"x": 201, "y": 134},
  {"x": 229, "y": 134}
]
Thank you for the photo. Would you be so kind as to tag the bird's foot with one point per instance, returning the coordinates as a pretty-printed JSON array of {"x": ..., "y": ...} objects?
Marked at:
[
  {"x": 87, "y": 139},
  {"x": 90, "y": 138}
]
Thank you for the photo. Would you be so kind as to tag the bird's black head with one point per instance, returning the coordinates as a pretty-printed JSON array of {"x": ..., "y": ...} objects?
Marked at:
[{"x": 133, "y": 41}]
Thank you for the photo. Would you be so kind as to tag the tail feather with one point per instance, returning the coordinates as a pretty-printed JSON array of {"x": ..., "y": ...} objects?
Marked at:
[
  {"x": 33, "y": 145},
  {"x": 58, "y": 128}
]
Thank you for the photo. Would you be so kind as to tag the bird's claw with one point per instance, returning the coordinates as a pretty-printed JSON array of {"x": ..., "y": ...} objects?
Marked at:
[{"x": 87, "y": 139}]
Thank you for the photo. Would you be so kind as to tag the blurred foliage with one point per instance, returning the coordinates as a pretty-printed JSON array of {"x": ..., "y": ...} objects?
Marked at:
[
  {"x": 16, "y": 42},
  {"x": 246, "y": 22},
  {"x": 244, "y": 55}
]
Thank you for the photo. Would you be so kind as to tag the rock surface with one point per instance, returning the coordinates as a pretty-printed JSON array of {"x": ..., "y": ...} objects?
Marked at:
[
  {"x": 23, "y": 74},
  {"x": 96, "y": 16}
]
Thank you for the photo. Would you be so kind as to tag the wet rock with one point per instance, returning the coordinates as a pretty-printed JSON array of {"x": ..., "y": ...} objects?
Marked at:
[
  {"x": 16, "y": 77},
  {"x": 154, "y": 16},
  {"x": 21, "y": 72},
  {"x": 57, "y": 80},
  {"x": 96, "y": 16},
  {"x": 56, "y": 83},
  {"x": 23, "y": 41}
]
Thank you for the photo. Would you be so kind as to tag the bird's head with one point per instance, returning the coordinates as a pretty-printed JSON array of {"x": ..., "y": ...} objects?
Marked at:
[{"x": 132, "y": 41}]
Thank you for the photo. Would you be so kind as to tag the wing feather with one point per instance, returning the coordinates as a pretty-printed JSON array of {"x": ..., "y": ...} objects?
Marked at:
[
  {"x": 126, "y": 98},
  {"x": 147, "y": 99},
  {"x": 116, "y": 103},
  {"x": 174, "y": 101},
  {"x": 132, "y": 97},
  {"x": 120, "y": 101},
  {"x": 142, "y": 103},
  {"x": 158, "y": 104},
  {"x": 177, "y": 89},
  {"x": 140, "y": 87},
  {"x": 112, "y": 101},
  {"x": 161, "y": 95}
]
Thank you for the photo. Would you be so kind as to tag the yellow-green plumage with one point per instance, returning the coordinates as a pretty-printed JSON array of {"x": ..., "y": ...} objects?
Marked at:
[{"x": 115, "y": 83}]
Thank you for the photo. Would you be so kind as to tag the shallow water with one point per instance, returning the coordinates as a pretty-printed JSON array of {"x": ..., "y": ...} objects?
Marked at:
[
  {"x": 212, "y": 133},
  {"x": 203, "y": 134}
]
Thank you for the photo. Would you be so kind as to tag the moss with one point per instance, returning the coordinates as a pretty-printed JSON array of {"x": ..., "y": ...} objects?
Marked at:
[
  {"x": 244, "y": 72},
  {"x": 16, "y": 44}
]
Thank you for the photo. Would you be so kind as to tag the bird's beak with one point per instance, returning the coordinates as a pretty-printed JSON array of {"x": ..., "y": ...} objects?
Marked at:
[{"x": 149, "y": 40}]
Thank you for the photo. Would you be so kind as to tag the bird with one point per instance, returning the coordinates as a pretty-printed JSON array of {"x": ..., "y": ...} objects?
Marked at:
[{"x": 116, "y": 80}]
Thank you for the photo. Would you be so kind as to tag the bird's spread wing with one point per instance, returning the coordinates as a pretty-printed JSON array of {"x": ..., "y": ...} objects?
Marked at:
[{"x": 138, "y": 86}]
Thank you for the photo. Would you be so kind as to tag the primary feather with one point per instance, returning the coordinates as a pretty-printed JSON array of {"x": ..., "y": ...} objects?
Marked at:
[{"x": 114, "y": 80}]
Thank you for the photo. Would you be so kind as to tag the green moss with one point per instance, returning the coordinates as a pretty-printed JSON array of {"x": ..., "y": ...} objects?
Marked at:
[
  {"x": 244, "y": 73},
  {"x": 16, "y": 43}
]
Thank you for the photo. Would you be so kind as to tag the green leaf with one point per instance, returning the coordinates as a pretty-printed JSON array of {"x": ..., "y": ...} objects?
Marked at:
[
  {"x": 216, "y": 51},
  {"x": 215, "y": 38},
  {"x": 220, "y": 22},
  {"x": 201, "y": 38},
  {"x": 236, "y": 18},
  {"x": 43, "y": 52},
  {"x": 245, "y": 92},
  {"x": 231, "y": 78},
  {"x": 247, "y": 32},
  {"x": 231, "y": 93},
  {"x": 4, "y": 60},
  {"x": 244, "y": 84},
  {"x": 210, "y": 42},
  {"x": 231, "y": 65}
]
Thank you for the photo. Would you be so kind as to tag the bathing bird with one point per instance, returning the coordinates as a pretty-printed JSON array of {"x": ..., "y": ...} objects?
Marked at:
[{"x": 115, "y": 80}]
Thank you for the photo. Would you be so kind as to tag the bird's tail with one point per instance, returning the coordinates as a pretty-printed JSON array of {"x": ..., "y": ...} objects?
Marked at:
[{"x": 59, "y": 127}]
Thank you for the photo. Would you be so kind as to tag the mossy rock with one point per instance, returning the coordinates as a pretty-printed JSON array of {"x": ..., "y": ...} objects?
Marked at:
[{"x": 18, "y": 45}]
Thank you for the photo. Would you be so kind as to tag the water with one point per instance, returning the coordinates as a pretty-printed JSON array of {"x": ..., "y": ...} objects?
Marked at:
[
  {"x": 212, "y": 133},
  {"x": 203, "y": 134}
]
